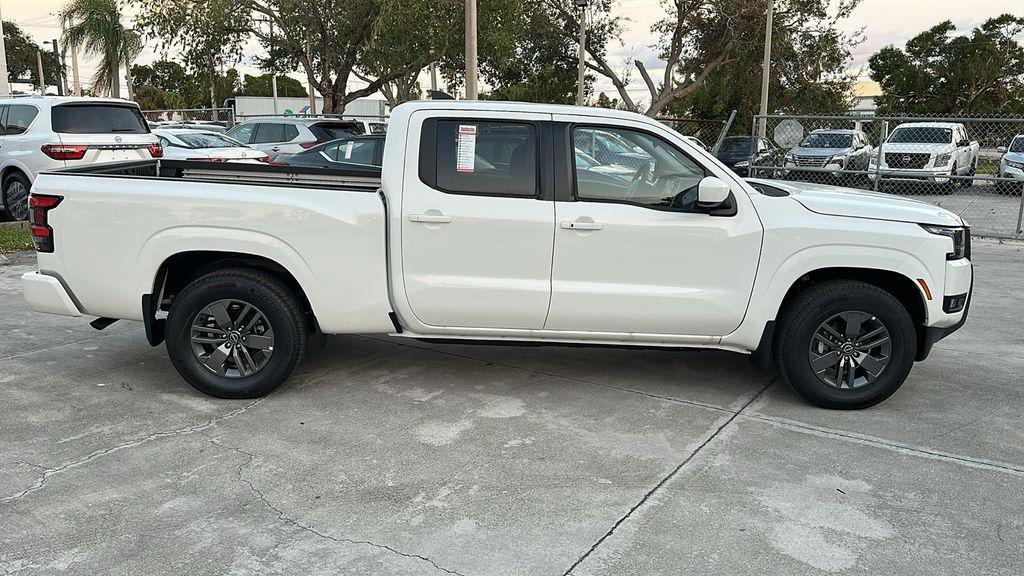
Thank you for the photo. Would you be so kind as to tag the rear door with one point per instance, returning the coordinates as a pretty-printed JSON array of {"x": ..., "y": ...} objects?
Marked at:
[
  {"x": 476, "y": 231},
  {"x": 109, "y": 132}
]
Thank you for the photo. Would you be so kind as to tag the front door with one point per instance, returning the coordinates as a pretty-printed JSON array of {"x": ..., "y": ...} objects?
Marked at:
[
  {"x": 635, "y": 253},
  {"x": 476, "y": 232}
]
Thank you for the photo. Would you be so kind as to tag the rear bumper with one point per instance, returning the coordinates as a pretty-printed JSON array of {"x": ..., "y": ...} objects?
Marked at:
[{"x": 46, "y": 294}]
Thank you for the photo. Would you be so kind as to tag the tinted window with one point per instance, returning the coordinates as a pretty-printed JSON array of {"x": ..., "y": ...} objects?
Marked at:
[
  {"x": 922, "y": 135},
  {"x": 242, "y": 133},
  {"x": 98, "y": 119},
  {"x": 827, "y": 140},
  {"x": 477, "y": 157},
  {"x": 19, "y": 117},
  {"x": 266, "y": 133},
  {"x": 653, "y": 174},
  {"x": 291, "y": 132},
  {"x": 207, "y": 140},
  {"x": 326, "y": 131},
  {"x": 1017, "y": 145},
  {"x": 353, "y": 151},
  {"x": 736, "y": 145}
]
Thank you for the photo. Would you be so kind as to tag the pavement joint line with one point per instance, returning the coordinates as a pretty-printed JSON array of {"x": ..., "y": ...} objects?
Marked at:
[
  {"x": 82, "y": 341},
  {"x": 804, "y": 428},
  {"x": 717, "y": 429},
  {"x": 562, "y": 376},
  {"x": 49, "y": 472},
  {"x": 251, "y": 457}
]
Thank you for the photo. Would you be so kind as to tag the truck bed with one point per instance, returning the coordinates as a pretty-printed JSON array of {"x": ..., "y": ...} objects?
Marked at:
[{"x": 119, "y": 224}]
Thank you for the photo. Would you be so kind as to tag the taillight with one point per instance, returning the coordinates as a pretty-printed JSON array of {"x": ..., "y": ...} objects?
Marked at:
[
  {"x": 308, "y": 145},
  {"x": 39, "y": 205},
  {"x": 155, "y": 150},
  {"x": 65, "y": 151},
  {"x": 207, "y": 159}
]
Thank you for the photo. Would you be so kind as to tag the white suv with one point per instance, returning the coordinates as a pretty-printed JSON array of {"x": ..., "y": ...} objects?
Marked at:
[
  {"x": 43, "y": 133},
  {"x": 290, "y": 135}
]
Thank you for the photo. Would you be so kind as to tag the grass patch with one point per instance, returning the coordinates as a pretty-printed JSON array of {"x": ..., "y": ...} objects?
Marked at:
[{"x": 14, "y": 239}]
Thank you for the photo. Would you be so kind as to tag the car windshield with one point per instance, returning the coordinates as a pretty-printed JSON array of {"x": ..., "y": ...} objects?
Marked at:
[
  {"x": 1017, "y": 145},
  {"x": 922, "y": 135},
  {"x": 736, "y": 146},
  {"x": 827, "y": 140},
  {"x": 98, "y": 119},
  {"x": 208, "y": 140}
]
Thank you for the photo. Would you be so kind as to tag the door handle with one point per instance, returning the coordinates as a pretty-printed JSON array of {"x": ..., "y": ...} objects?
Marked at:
[
  {"x": 430, "y": 218},
  {"x": 569, "y": 225},
  {"x": 275, "y": 149}
]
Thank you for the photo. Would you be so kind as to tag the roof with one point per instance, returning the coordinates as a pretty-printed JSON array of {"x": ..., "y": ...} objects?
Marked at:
[
  {"x": 56, "y": 100},
  {"x": 835, "y": 131},
  {"x": 176, "y": 131},
  {"x": 950, "y": 125},
  {"x": 502, "y": 106},
  {"x": 298, "y": 120}
]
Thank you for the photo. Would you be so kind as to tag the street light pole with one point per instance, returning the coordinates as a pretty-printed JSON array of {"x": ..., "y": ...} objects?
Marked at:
[
  {"x": 60, "y": 69},
  {"x": 39, "y": 65},
  {"x": 762, "y": 128},
  {"x": 472, "y": 91},
  {"x": 5, "y": 86},
  {"x": 582, "y": 6}
]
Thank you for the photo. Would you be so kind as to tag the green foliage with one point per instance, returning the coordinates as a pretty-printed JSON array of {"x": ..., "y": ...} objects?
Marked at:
[
  {"x": 809, "y": 75},
  {"x": 14, "y": 238},
  {"x": 979, "y": 74},
  {"x": 21, "y": 56},
  {"x": 95, "y": 27},
  {"x": 165, "y": 84},
  {"x": 261, "y": 86}
]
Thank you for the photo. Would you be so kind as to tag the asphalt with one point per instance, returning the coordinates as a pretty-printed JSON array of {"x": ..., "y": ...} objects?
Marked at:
[{"x": 394, "y": 457}]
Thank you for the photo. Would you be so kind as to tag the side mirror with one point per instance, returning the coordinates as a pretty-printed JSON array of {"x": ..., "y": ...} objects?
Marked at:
[
  {"x": 712, "y": 192},
  {"x": 963, "y": 143},
  {"x": 1001, "y": 149}
]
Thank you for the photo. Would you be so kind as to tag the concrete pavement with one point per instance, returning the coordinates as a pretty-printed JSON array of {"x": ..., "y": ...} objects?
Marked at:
[{"x": 387, "y": 456}]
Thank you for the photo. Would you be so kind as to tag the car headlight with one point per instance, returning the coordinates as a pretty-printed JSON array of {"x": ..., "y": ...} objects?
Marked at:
[
  {"x": 941, "y": 160},
  {"x": 743, "y": 164},
  {"x": 961, "y": 237},
  {"x": 1014, "y": 164},
  {"x": 838, "y": 159}
]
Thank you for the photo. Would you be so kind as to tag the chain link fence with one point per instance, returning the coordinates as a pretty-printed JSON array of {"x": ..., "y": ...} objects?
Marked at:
[
  {"x": 971, "y": 166},
  {"x": 224, "y": 117},
  {"x": 707, "y": 133}
]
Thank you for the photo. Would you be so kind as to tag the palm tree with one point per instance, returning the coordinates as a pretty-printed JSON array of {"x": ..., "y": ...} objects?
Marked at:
[{"x": 95, "y": 27}]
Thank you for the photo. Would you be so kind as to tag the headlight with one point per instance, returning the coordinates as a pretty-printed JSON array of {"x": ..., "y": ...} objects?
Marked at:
[
  {"x": 961, "y": 237},
  {"x": 743, "y": 164},
  {"x": 840, "y": 159},
  {"x": 1015, "y": 164},
  {"x": 789, "y": 156},
  {"x": 941, "y": 160}
]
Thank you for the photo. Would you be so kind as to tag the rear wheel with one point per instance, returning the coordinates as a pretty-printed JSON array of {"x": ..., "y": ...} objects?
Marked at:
[
  {"x": 845, "y": 344},
  {"x": 236, "y": 333},
  {"x": 15, "y": 196}
]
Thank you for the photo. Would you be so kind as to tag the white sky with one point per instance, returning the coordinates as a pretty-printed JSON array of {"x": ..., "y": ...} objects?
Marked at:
[{"x": 883, "y": 21}]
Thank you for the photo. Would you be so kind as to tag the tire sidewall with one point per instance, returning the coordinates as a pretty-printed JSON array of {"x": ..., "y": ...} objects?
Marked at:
[
  {"x": 904, "y": 345},
  {"x": 201, "y": 294},
  {"x": 8, "y": 202}
]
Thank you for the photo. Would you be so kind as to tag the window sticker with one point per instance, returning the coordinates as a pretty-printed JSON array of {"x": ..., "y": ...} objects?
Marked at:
[
  {"x": 465, "y": 157},
  {"x": 348, "y": 149}
]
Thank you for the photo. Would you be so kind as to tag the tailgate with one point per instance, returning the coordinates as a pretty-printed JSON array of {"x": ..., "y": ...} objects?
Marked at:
[{"x": 104, "y": 131}]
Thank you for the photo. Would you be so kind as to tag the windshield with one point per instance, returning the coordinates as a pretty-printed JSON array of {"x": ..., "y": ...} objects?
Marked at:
[
  {"x": 735, "y": 146},
  {"x": 207, "y": 140},
  {"x": 922, "y": 135},
  {"x": 1017, "y": 145},
  {"x": 98, "y": 119},
  {"x": 827, "y": 140}
]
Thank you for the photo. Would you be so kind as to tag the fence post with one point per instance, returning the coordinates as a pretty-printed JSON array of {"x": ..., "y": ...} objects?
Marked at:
[
  {"x": 753, "y": 146},
  {"x": 725, "y": 132},
  {"x": 1020, "y": 216},
  {"x": 882, "y": 135}
]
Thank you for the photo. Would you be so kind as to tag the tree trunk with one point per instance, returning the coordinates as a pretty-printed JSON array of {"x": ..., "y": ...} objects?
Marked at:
[
  {"x": 115, "y": 80},
  {"x": 128, "y": 78}
]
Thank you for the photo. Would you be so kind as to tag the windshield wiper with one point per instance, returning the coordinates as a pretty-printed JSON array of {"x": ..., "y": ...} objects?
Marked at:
[{"x": 122, "y": 129}]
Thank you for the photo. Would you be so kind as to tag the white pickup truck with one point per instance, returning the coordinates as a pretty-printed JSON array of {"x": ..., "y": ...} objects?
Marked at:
[
  {"x": 933, "y": 152},
  {"x": 487, "y": 223}
]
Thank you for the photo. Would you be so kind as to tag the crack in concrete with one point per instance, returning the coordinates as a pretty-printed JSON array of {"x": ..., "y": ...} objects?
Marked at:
[
  {"x": 717, "y": 429},
  {"x": 49, "y": 472},
  {"x": 72, "y": 343},
  {"x": 250, "y": 458}
]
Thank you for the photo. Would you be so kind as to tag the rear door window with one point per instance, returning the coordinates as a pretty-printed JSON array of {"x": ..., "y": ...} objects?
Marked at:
[
  {"x": 353, "y": 151},
  {"x": 242, "y": 133},
  {"x": 98, "y": 119},
  {"x": 291, "y": 132},
  {"x": 485, "y": 157},
  {"x": 327, "y": 131},
  {"x": 19, "y": 118},
  {"x": 267, "y": 133}
]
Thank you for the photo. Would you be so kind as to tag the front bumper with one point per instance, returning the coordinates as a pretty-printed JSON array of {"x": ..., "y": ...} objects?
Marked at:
[
  {"x": 1012, "y": 172},
  {"x": 46, "y": 294},
  {"x": 933, "y": 175},
  {"x": 959, "y": 282}
]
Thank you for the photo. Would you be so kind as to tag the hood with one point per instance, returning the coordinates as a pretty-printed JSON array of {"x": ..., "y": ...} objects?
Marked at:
[
  {"x": 819, "y": 151},
  {"x": 1014, "y": 156},
  {"x": 839, "y": 201},
  {"x": 919, "y": 147}
]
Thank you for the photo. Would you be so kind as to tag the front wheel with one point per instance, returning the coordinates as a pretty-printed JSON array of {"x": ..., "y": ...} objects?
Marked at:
[
  {"x": 236, "y": 333},
  {"x": 845, "y": 344}
]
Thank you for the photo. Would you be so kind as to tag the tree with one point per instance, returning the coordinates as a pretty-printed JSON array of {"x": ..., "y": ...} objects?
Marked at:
[
  {"x": 95, "y": 27},
  {"x": 329, "y": 40},
  {"x": 261, "y": 86},
  {"x": 964, "y": 75},
  {"x": 21, "y": 56},
  {"x": 810, "y": 55}
]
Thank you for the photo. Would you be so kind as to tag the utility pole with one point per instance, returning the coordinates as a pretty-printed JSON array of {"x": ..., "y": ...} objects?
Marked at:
[
  {"x": 56, "y": 58},
  {"x": 5, "y": 86},
  {"x": 75, "y": 82},
  {"x": 433, "y": 77},
  {"x": 273, "y": 88},
  {"x": 39, "y": 66},
  {"x": 472, "y": 91},
  {"x": 762, "y": 128},
  {"x": 312, "y": 95},
  {"x": 582, "y": 6}
]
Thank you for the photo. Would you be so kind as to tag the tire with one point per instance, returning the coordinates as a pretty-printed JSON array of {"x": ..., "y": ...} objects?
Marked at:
[
  {"x": 797, "y": 347},
  {"x": 268, "y": 351},
  {"x": 15, "y": 196},
  {"x": 968, "y": 182}
]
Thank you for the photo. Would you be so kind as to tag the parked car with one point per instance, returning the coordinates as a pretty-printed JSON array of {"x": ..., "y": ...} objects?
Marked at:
[
  {"x": 188, "y": 144},
  {"x": 355, "y": 151},
  {"x": 927, "y": 152},
  {"x": 291, "y": 135},
  {"x": 831, "y": 152},
  {"x": 849, "y": 288},
  {"x": 1011, "y": 165},
  {"x": 738, "y": 151},
  {"x": 372, "y": 126},
  {"x": 206, "y": 126},
  {"x": 610, "y": 149},
  {"x": 44, "y": 133},
  {"x": 697, "y": 141}
]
